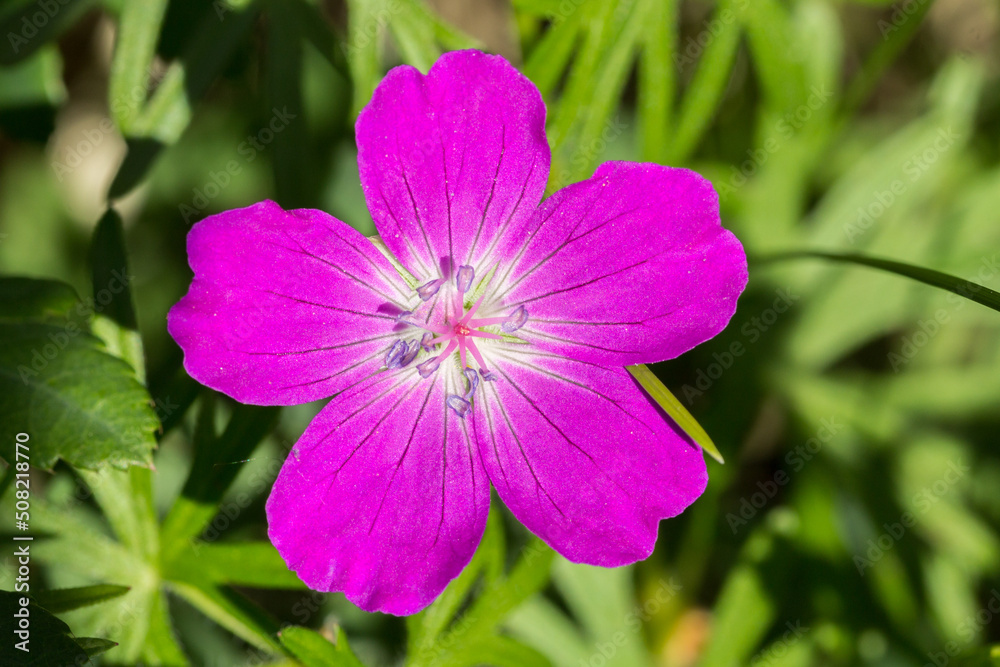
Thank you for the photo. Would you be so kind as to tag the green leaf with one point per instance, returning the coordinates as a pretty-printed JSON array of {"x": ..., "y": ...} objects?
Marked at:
[
  {"x": 48, "y": 641},
  {"x": 126, "y": 498},
  {"x": 160, "y": 645},
  {"x": 540, "y": 623},
  {"x": 75, "y": 401},
  {"x": 601, "y": 599},
  {"x": 414, "y": 36},
  {"x": 109, "y": 271},
  {"x": 116, "y": 324},
  {"x": 895, "y": 38},
  {"x": 771, "y": 36},
  {"x": 94, "y": 646},
  {"x": 253, "y": 564},
  {"x": 66, "y": 599},
  {"x": 657, "y": 78},
  {"x": 313, "y": 650},
  {"x": 603, "y": 602},
  {"x": 35, "y": 83},
  {"x": 161, "y": 121},
  {"x": 141, "y": 153},
  {"x": 23, "y": 33},
  {"x": 425, "y": 628},
  {"x": 363, "y": 32},
  {"x": 216, "y": 463},
  {"x": 599, "y": 29},
  {"x": 39, "y": 300},
  {"x": 478, "y": 624},
  {"x": 674, "y": 409},
  {"x": 539, "y": 7},
  {"x": 965, "y": 288},
  {"x": 138, "y": 32},
  {"x": 547, "y": 61},
  {"x": 231, "y": 611},
  {"x": 608, "y": 85},
  {"x": 292, "y": 149},
  {"x": 530, "y": 575},
  {"x": 500, "y": 652},
  {"x": 743, "y": 614},
  {"x": 703, "y": 95}
]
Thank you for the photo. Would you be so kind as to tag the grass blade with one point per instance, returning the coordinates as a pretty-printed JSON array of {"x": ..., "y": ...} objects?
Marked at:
[
  {"x": 674, "y": 409},
  {"x": 972, "y": 291},
  {"x": 702, "y": 97}
]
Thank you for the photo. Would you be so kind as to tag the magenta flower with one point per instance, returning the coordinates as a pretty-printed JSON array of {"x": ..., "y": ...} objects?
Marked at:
[{"x": 484, "y": 345}]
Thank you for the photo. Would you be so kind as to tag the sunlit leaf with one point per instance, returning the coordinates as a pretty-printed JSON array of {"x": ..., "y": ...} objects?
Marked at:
[
  {"x": 75, "y": 401},
  {"x": 674, "y": 409},
  {"x": 313, "y": 650}
]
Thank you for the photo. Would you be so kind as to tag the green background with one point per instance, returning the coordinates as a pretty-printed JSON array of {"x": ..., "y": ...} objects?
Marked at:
[{"x": 857, "y": 519}]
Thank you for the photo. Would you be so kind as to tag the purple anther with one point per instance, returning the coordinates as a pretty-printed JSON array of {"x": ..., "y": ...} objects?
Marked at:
[
  {"x": 394, "y": 357},
  {"x": 403, "y": 315},
  {"x": 428, "y": 290},
  {"x": 411, "y": 352},
  {"x": 425, "y": 341},
  {"x": 515, "y": 320},
  {"x": 427, "y": 368},
  {"x": 473, "y": 379},
  {"x": 459, "y": 405},
  {"x": 488, "y": 376},
  {"x": 463, "y": 279}
]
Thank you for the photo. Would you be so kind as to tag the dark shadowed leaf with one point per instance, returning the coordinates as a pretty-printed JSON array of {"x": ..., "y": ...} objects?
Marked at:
[
  {"x": 49, "y": 641},
  {"x": 66, "y": 599}
]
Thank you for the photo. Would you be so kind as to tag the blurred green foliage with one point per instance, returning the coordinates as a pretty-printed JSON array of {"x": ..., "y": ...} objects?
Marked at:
[{"x": 857, "y": 521}]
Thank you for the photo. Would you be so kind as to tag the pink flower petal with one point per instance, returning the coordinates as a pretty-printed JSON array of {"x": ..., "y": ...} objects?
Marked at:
[
  {"x": 285, "y": 307},
  {"x": 452, "y": 161},
  {"x": 631, "y": 266},
  {"x": 583, "y": 458},
  {"x": 383, "y": 497}
]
